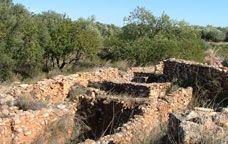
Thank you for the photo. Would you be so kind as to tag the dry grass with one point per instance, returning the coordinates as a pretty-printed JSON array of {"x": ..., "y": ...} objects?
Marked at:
[
  {"x": 122, "y": 65},
  {"x": 158, "y": 135},
  {"x": 212, "y": 57},
  {"x": 28, "y": 103},
  {"x": 76, "y": 91},
  {"x": 211, "y": 140},
  {"x": 201, "y": 138},
  {"x": 57, "y": 132}
]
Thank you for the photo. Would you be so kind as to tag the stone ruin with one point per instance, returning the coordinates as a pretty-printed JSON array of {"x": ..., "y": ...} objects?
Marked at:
[
  {"x": 200, "y": 125},
  {"x": 111, "y": 106}
]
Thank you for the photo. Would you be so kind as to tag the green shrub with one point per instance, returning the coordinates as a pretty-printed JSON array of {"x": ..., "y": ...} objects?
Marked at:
[
  {"x": 6, "y": 67},
  {"x": 225, "y": 63},
  {"x": 148, "y": 39},
  {"x": 213, "y": 34}
]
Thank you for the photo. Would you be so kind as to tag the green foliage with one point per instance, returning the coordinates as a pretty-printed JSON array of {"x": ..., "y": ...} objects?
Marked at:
[
  {"x": 225, "y": 63},
  {"x": 213, "y": 34},
  {"x": 148, "y": 39},
  {"x": 88, "y": 40},
  {"x": 67, "y": 41},
  {"x": 29, "y": 55},
  {"x": 107, "y": 30},
  {"x": 32, "y": 43},
  {"x": 6, "y": 67}
]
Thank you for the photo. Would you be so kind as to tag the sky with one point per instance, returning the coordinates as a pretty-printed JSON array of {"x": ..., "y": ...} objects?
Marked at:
[{"x": 195, "y": 12}]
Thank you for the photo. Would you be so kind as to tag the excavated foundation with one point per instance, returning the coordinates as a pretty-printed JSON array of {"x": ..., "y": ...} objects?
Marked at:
[
  {"x": 146, "y": 77},
  {"x": 101, "y": 117},
  {"x": 130, "y": 89},
  {"x": 106, "y": 105},
  {"x": 149, "y": 115}
]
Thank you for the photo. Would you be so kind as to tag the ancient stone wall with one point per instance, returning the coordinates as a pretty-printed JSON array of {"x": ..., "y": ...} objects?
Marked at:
[
  {"x": 130, "y": 115},
  {"x": 55, "y": 90},
  {"x": 27, "y": 126},
  {"x": 140, "y": 128},
  {"x": 212, "y": 79},
  {"x": 132, "y": 89}
]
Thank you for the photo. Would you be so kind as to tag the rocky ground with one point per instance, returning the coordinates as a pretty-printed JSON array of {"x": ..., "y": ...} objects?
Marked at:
[{"x": 140, "y": 105}]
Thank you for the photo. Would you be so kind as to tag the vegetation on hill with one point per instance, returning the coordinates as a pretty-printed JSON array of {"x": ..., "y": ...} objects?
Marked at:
[
  {"x": 34, "y": 43},
  {"x": 213, "y": 34},
  {"x": 147, "y": 39}
]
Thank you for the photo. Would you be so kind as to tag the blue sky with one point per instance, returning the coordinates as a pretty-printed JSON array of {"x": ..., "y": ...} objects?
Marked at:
[{"x": 200, "y": 12}]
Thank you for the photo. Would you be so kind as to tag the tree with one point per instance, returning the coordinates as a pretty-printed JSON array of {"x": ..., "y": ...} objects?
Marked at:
[
  {"x": 148, "y": 39},
  {"x": 6, "y": 66},
  {"x": 87, "y": 37},
  {"x": 29, "y": 59},
  {"x": 65, "y": 41},
  {"x": 30, "y": 43},
  {"x": 140, "y": 23},
  {"x": 213, "y": 34},
  {"x": 79, "y": 39}
]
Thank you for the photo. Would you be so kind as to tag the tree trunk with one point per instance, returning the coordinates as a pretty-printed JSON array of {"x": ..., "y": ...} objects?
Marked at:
[{"x": 60, "y": 66}]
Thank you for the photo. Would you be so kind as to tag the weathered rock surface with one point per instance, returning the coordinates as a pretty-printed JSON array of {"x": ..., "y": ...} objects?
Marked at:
[
  {"x": 26, "y": 126},
  {"x": 201, "y": 125}
]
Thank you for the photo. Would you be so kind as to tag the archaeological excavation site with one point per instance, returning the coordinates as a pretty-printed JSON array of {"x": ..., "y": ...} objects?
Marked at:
[{"x": 173, "y": 102}]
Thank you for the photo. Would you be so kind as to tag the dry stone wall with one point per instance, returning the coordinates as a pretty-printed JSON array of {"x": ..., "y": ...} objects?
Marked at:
[
  {"x": 212, "y": 79},
  {"x": 139, "y": 129},
  {"x": 132, "y": 89},
  {"x": 142, "y": 113},
  {"x": 26, "y": 126},
  {"x": 56, "y": 89}
]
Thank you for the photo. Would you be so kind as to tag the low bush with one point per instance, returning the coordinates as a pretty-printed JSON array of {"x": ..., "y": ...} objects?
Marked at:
[
  {"x": 75, "y": 91},
  {"x": 225, "y": 62},
  {"x": 57, "y": 132},
  {"x": 27, "y": 103}
]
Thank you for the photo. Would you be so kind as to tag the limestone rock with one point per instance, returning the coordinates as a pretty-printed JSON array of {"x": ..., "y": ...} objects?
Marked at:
[
  {"x": 201, "y": 125},
  {"x": 61, "y": 106}
]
